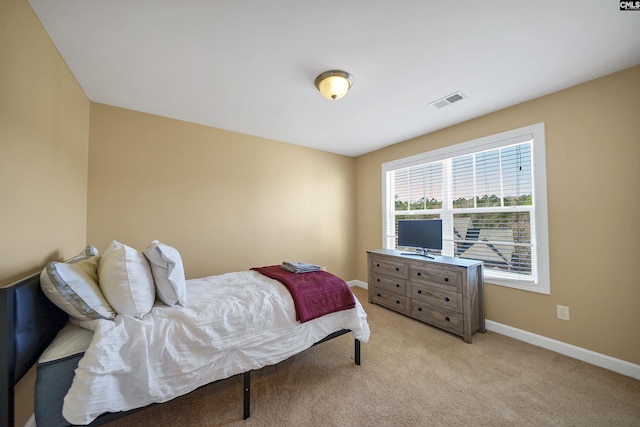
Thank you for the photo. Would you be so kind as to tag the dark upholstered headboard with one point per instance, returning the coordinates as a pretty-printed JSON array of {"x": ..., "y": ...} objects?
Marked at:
[{"x": 29, "y": 323}]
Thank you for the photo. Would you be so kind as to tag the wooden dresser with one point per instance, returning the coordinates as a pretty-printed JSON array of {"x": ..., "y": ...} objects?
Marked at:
[{"x": 443, "y": 292}]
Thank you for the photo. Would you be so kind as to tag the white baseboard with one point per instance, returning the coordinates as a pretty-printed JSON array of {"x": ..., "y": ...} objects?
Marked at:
[
  {"x": 358, "y": 283},
  {"x": 616, "y": 365},
  {"x": 31, "y": 422}
]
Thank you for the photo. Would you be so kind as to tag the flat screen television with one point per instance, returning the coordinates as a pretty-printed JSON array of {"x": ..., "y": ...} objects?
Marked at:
[{"x": 425, "y": 234}]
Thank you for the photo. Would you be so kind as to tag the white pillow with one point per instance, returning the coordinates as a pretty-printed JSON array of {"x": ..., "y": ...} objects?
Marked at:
[
  {"x": 168, "y": 273},
  {"x": 126, "y": 281},
  {"x": 73, "y": 287}
]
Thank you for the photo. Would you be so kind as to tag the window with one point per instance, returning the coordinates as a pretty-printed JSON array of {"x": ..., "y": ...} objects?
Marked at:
[{"x": 491, "y": 196}]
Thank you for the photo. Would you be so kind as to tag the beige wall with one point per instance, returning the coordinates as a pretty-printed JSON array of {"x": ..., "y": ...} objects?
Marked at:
[
  {"x": 593, "y": 150},
  {"x": 44, "y": 131},
  {"x": 190, "y": 186},
  {"x": 226, "y": 201}
]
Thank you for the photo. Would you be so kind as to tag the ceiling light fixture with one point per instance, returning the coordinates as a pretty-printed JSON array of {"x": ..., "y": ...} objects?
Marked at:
[{"x": 334, "y": 84}]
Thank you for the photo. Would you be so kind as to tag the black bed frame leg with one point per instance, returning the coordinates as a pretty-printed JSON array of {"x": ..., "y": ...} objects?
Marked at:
[
  {"x": 247, "y": 395},
  {"x": 357, "y": 352}
]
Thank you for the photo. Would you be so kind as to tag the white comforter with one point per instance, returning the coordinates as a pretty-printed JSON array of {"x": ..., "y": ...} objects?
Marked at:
[{"x": 233, "y": 323}]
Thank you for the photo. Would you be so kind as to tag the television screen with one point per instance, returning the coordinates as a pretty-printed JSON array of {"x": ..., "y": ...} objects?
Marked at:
[{"x": 420, "y": 233}]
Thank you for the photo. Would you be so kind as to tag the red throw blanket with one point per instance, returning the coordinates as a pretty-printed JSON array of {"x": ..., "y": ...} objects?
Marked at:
[{"x": 315, "y": 293}]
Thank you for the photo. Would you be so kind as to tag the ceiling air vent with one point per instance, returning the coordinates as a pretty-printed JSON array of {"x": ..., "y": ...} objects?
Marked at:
[{"x": 449, "y": 99}]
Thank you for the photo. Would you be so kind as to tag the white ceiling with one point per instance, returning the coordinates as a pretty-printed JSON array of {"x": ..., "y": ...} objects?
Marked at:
[{"x": 249, "y": 65}]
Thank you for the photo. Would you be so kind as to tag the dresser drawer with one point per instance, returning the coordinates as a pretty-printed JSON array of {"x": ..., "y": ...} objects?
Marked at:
[
  {"x": 389, "y": 268},
  {"x": 448, "y": 277},
  {"x": 449, "y": 299},
  {"x": 393, "y": 284},
  {"x": 445, "y": 319},
  {"x": 389, "y": 299}
]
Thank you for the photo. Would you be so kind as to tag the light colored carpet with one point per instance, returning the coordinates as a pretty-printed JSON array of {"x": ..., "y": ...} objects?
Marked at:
[{"x": 412, "y": 375}]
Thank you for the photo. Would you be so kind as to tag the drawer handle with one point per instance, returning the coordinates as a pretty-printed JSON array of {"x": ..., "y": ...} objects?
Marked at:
[
  {"x": 446, "y": 279},
  {"x": 447, "y": 299},
  {"x": 377, "y": 280},
  {"x": 419, "y": 308},
  {"x": 377, "y": 265},
  {"x": 379, "y": 295},
  {"x": 446, "y": 318},
  {"x": 397, "y": 269},
  {"x": 397, "y": 285},
  {"x": 419, "y": 274},
  {"x": 398, "y": 302}
]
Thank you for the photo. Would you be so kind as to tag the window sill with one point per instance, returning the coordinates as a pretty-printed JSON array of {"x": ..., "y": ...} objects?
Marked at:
[{"x": 524, "y": 285}]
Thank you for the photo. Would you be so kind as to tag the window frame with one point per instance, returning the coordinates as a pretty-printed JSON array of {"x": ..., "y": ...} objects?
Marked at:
[{"x": 540, "y": 281}]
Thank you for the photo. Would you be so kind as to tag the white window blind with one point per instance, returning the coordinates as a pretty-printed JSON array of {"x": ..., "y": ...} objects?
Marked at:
[{"x": 491, "y": 198}]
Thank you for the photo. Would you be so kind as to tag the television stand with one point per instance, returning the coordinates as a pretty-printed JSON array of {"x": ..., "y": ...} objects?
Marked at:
[
  {"x": 445, "y": 292},
  {"x": 425, "y": 253}
]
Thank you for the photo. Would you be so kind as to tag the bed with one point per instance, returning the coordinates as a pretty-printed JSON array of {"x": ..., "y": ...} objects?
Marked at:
[{"x": 33, "y": 328}]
